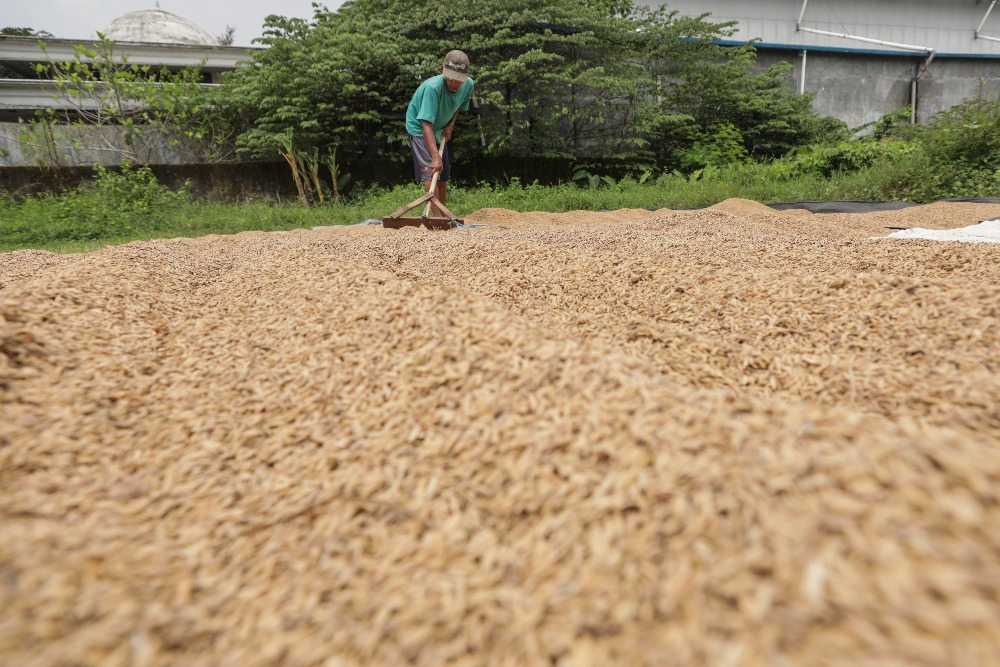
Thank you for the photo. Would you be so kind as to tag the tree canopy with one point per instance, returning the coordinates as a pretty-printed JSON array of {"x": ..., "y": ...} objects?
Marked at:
[
  {"x": 576, "y": 78},
  {"x": 24, "y": 32}
]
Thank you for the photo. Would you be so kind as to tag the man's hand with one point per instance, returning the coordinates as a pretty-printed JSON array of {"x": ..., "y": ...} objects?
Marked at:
[{"x": 437, "y": 164}]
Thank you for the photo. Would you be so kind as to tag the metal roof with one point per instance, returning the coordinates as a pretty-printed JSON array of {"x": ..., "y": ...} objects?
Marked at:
[
  {"x": 19, "y": 53},
  {"x": 27, "y": 94}
]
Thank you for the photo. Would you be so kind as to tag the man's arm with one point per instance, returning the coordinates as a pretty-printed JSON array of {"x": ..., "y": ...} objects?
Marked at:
[{"x": 449, "y": 128}]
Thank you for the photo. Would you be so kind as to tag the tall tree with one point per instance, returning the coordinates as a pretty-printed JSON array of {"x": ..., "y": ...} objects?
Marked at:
[
  {"x": 226, "y": 38},
  {"x": 556, "y": 77},
  {"x": 318, "y": 84}
]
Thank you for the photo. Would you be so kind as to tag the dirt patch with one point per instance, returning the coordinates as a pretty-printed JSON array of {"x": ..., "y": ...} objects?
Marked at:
[{"x": 690, "y": 438}]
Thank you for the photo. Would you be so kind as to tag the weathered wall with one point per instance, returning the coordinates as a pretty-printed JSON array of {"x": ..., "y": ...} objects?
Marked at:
[
  {"x": 946, "y": 26},
  {"x": 222, "y": 181},
  {"x": 23, "y": 144},
  {"x": 859, "y": 88},
  {"x": 235, "y": 181},
  {"x": 948, "y": 82}
]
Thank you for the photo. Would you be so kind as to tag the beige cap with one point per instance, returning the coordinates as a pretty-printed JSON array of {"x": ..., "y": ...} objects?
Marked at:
[{"x": 456, "y": 65}]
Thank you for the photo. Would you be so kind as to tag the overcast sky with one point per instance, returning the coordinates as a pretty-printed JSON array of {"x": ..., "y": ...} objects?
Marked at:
[{"x": 74, "y": 19}]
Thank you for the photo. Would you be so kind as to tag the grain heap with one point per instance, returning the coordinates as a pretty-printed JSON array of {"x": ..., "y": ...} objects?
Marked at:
[{"x": 727, "y": 437}]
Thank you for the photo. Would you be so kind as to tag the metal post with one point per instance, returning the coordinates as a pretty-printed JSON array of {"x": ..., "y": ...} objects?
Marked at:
[
  {"x": 844, "y": 35},
  {"x": 915, "y": 86},
  {"x": 983, "y": 22},
  {"x": 802, "y": 77}
]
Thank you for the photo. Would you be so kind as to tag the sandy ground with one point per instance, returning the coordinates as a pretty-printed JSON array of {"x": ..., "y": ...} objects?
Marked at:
[{"x": 721, "y": 437}]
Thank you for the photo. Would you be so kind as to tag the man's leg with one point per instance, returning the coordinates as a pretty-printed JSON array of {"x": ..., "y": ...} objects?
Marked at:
[
  {"x": 421, "y": 162},
  {"x": 422, "y": 172}
]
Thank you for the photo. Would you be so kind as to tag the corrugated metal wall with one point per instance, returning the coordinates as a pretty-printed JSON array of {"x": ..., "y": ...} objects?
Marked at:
[{"x": 947, "y": 26}]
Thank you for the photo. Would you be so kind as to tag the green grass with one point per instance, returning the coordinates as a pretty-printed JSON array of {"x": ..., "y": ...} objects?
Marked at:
[
  {"x": 87, "y": 220},
  {"x": 954, "y": 156}
]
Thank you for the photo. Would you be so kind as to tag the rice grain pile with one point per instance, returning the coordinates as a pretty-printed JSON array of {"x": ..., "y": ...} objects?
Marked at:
[{"x": 721, "y": 437}]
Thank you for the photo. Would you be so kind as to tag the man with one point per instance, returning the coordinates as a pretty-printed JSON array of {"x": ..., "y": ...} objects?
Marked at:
[{"x": 431, "y": 117}]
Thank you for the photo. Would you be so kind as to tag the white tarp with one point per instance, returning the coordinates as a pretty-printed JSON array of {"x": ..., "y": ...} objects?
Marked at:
[{"x": 985, "y": 232}]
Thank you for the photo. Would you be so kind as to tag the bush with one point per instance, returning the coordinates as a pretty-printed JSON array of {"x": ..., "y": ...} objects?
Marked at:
[
  {"x": 842, "y": 158},
  {"x": 967, "y": 135},
  {"x": 725, "y": 145},
  {"x": 962, "y": 146},
  {"x": 125, "y": 203}
]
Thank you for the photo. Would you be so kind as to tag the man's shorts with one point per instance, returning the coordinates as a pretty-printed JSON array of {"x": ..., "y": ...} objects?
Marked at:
[{"x": 422, "y": 161}]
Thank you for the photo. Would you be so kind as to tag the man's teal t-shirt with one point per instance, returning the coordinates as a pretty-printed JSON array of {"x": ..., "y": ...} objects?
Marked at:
[{"x": 435, "y": 103}]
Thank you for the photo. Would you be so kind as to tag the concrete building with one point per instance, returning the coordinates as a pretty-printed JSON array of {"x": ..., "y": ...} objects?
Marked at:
[
  {"x": 149, "y": 37},
  {"x": 865, "y": 58}
]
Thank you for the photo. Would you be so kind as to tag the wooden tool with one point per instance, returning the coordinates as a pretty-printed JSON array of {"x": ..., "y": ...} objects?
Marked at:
[{"x": 397, "y": 220}]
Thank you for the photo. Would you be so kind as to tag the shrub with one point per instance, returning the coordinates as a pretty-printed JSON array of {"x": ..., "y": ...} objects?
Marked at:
[
  {"x": 125, "y": 203},
  {"x": 967, "y": 135},
  {"x": 888, "y": 125},
  {"x": 842, "y": 158},
  {"x": 962, "y": 146},
  {"x": 725, "y": 145},
  {"x": 117, "y": 203}
]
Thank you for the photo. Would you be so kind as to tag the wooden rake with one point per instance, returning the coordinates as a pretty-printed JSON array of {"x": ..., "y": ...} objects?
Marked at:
[{"x": 397, "y": 220}]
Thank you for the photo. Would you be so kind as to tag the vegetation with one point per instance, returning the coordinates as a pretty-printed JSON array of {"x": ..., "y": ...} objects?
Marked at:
[
  {"x": 125, "y": 204},
  {"x": 553, "y": 78},
  {"x": 960, "y": 153},
  {"x": 77, "y": 221},
  {"x": 147, "y": 108},
  {"x": 558, "y": 78},
  {"x": 956, "y": 155},
  {"x": 13, "y": 31}
]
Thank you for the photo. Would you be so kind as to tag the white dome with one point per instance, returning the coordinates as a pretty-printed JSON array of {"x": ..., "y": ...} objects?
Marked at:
[{"x": 155, "y": 26}]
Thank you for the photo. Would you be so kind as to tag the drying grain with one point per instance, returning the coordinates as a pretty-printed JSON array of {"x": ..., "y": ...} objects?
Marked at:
[{"x": 731, "y": 436}]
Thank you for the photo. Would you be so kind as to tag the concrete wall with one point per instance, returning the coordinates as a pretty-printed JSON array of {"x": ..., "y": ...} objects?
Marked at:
[
  {"x": 859, "y": 88},
  {"x": 944, "y": 26},
  {"x": 950, "y": 81},
  {"x": 222, "y": 181},
  {"x": 20, "y": 145},
  {"x": 858, "y": 81}
]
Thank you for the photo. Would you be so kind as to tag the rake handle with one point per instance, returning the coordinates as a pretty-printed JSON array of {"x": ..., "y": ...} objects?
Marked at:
[{"x": 434, "y": 178}]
